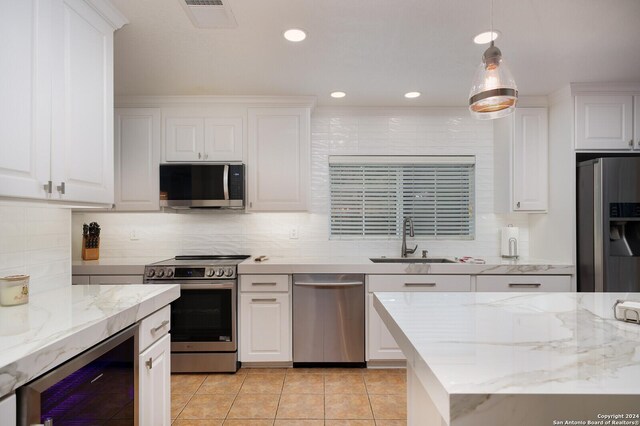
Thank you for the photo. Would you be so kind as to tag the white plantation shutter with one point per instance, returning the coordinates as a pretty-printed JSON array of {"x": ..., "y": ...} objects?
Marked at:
[{"x": 370, "y": 196}]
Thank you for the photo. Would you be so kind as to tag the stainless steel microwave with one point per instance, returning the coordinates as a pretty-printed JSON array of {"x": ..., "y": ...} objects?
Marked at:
[{"x": 202, "y": 185}]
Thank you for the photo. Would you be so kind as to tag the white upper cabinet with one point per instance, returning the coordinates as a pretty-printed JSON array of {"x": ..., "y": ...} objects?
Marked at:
[
  {"x": 184, "y": 139},
  {"x": 521, "y": 180},
  {"x": 203, "y": 139},
  {"x": 56, "y": 100},
  {"x": 25, "y": 96},
  {"x": 605, "y": 122},
  {"x": 223, "y": 139},
  {"x": 137, "y": 158},
  {"x": 278, "y": 160},
  {"x": 82, "y": 133}
]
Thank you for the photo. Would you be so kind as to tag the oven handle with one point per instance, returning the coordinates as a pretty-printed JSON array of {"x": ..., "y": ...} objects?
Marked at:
[
  {"x": 225, "y": 182},
  {"x": 216, "y": 286}
]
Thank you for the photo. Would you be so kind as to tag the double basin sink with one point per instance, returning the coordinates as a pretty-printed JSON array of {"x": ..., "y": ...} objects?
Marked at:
[{"x": 411, "y": 260}]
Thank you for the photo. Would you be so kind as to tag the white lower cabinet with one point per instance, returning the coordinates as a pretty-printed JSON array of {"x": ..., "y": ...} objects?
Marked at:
[
  {"x": 508, "y": 283},
  {"x": 265, "y": 327},
  {"x": 155, "y": 383},
  {"x": 8, "y": 410},
  {"x": 154, "y": 369},
  {"x": 381, "y": 346}
]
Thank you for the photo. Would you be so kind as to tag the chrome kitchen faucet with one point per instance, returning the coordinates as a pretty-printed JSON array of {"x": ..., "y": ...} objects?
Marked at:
[{"x": 404, "y": 251}]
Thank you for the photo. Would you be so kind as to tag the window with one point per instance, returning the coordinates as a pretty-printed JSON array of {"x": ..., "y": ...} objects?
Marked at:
[{"x": 371, "y": 195}]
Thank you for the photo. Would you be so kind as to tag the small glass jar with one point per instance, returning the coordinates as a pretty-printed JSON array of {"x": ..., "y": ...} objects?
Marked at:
[{"x": 14, "y": 290}]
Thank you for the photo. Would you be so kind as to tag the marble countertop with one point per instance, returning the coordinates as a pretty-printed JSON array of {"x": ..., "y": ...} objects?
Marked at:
[
  {"x": 113, "y": 266},
  {"x": 519, "y": 343},
  {"x": 363, "y": 265},
  {"x": 59, "y": 324}
]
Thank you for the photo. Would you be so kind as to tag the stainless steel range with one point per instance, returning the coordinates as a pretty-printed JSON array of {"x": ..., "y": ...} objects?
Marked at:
[{"x": 203, "y": 320}]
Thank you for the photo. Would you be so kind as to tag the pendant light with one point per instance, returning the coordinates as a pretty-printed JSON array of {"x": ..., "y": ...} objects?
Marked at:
[{"x": 494, "y": 93}]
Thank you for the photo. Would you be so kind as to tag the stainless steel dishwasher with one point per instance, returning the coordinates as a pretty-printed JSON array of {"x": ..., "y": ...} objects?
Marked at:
[{"x": 328, "y": 319}]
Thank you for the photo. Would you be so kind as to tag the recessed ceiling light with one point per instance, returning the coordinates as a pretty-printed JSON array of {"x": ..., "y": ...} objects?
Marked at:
[
  {"x": 338, "y": 94},
  {"x": 486, "y": 37},
  {"x": 412, "y": 95},
  {"x": 295, "y": 35}
]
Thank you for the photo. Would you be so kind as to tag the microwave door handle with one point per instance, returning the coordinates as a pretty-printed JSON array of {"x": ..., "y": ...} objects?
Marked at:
[{"x": 225, "y": 181}]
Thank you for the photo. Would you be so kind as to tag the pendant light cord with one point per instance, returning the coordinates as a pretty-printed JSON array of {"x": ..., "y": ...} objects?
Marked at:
[{"x": 491, "y": 11}]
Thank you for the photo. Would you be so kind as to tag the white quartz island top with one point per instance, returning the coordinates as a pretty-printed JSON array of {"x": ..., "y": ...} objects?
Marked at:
[
  {"x": 59, "y": 324},
  {"x": 364, "y": 265},
  {"x": 507, "y": 358}
]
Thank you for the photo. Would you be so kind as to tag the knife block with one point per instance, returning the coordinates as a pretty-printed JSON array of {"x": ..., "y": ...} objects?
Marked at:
[{"x": 90, "y": 253}]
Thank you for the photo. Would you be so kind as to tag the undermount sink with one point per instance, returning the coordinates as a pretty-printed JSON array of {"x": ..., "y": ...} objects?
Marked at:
[{"x": 410, "y": 260}]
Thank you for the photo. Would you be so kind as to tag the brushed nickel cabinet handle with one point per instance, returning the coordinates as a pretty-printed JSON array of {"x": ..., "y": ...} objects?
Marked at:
[
  {"x": 264, "y": 283},
  {"x": 48, "y": 187},
  {"x": 525, "y": 285},
  {"x": 518, "y": 204},
  {"x": 264, "y": 300},
  {"x": 420, "y": 284},
  {"x": 61, "y": 188},
  {"x": 162, "y": 324},
  {"x": 630, "y": 142},
  {"x": 149, "y": 363},
  {"x": 199, "y": 155}
]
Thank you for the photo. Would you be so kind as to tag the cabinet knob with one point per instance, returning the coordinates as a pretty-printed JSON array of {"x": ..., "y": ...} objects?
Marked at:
[
  {"x": 199, "y": 156},
  {"x": 518, "y": 204},
  {"x": 149, "y": 363}
]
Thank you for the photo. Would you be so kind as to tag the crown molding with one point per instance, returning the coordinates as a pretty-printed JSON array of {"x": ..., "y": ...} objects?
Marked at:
[
  {"x": 203, "y": 100},
  {"x": 109, "y": 13}
]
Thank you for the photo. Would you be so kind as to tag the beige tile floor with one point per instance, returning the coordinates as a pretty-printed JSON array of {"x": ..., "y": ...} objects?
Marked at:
[{"x": 290, "y": 397}]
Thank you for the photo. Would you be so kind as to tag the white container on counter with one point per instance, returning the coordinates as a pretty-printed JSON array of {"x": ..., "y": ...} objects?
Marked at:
[{"x": 14, "y": 290}]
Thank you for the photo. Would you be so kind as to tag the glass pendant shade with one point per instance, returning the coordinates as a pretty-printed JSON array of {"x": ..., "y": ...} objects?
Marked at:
[{"x": 494, "y": 93}]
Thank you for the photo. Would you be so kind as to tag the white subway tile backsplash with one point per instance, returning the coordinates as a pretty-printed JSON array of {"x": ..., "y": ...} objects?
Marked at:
[
  {"x": 36, "y": 241},
  {"x": 362, "y": 131}
]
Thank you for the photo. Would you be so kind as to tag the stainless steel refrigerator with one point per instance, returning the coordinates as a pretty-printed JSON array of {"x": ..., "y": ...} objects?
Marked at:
[{"x": 608, "y": 201}]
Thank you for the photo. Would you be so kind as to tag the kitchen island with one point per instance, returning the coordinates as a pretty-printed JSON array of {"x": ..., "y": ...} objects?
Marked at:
[
  {"x": 515, "y": 359},
  {"x": 59, "y": 324}
]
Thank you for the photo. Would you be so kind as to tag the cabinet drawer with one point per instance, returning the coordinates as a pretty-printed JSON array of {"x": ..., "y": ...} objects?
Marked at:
[
  {"x": 264, "y": 283},
  {"x": 419, "y": 283},
  {"x": 154, "y": 327},
  {"x": 116, "y": 279},
  {"x": 523, "y": 283}
]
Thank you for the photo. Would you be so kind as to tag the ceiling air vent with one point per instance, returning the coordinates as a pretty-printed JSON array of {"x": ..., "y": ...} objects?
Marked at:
[{"x": 209, "y": 13}]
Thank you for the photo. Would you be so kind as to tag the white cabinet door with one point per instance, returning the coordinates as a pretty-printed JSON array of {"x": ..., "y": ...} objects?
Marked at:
[
  {"x": 82, "y": 125},
  {"x": 278, "y": 161},
  {"x": 8, "y": 410},
  {"x": 530, "y": 160},
  {"x": 604, "y": 122},
  {"x": 137, "y": 158},
  {"x": 184, "y": 139},
  {"x": 25, "y": 96},
  {"x": 154, "y": 389},
  {"x": 223, "y": 139},
  {"x": 265, "y": 327},
  {"x": 382, "y": 346}
]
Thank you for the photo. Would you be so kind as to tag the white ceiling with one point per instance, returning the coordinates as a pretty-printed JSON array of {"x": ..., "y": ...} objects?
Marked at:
[{"x": 374, "y": 50}]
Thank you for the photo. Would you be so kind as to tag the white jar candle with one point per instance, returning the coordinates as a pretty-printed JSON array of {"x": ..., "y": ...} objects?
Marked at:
[{"x": 14, "y": 290}]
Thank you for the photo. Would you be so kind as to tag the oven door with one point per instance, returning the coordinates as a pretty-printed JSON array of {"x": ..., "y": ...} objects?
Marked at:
[{"x": 203, "y": 318}]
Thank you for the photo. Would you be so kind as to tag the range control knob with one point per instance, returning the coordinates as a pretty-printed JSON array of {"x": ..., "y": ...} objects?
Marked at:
[
  {"x": 160, "y": 273},
  {"x": 151, "y": 273},
  {"x": 220, "y": 272},
  {"x": 210, "y": 272},
  {"x": 229, "y": 272},
  {"x": 169, "y": 273}
]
